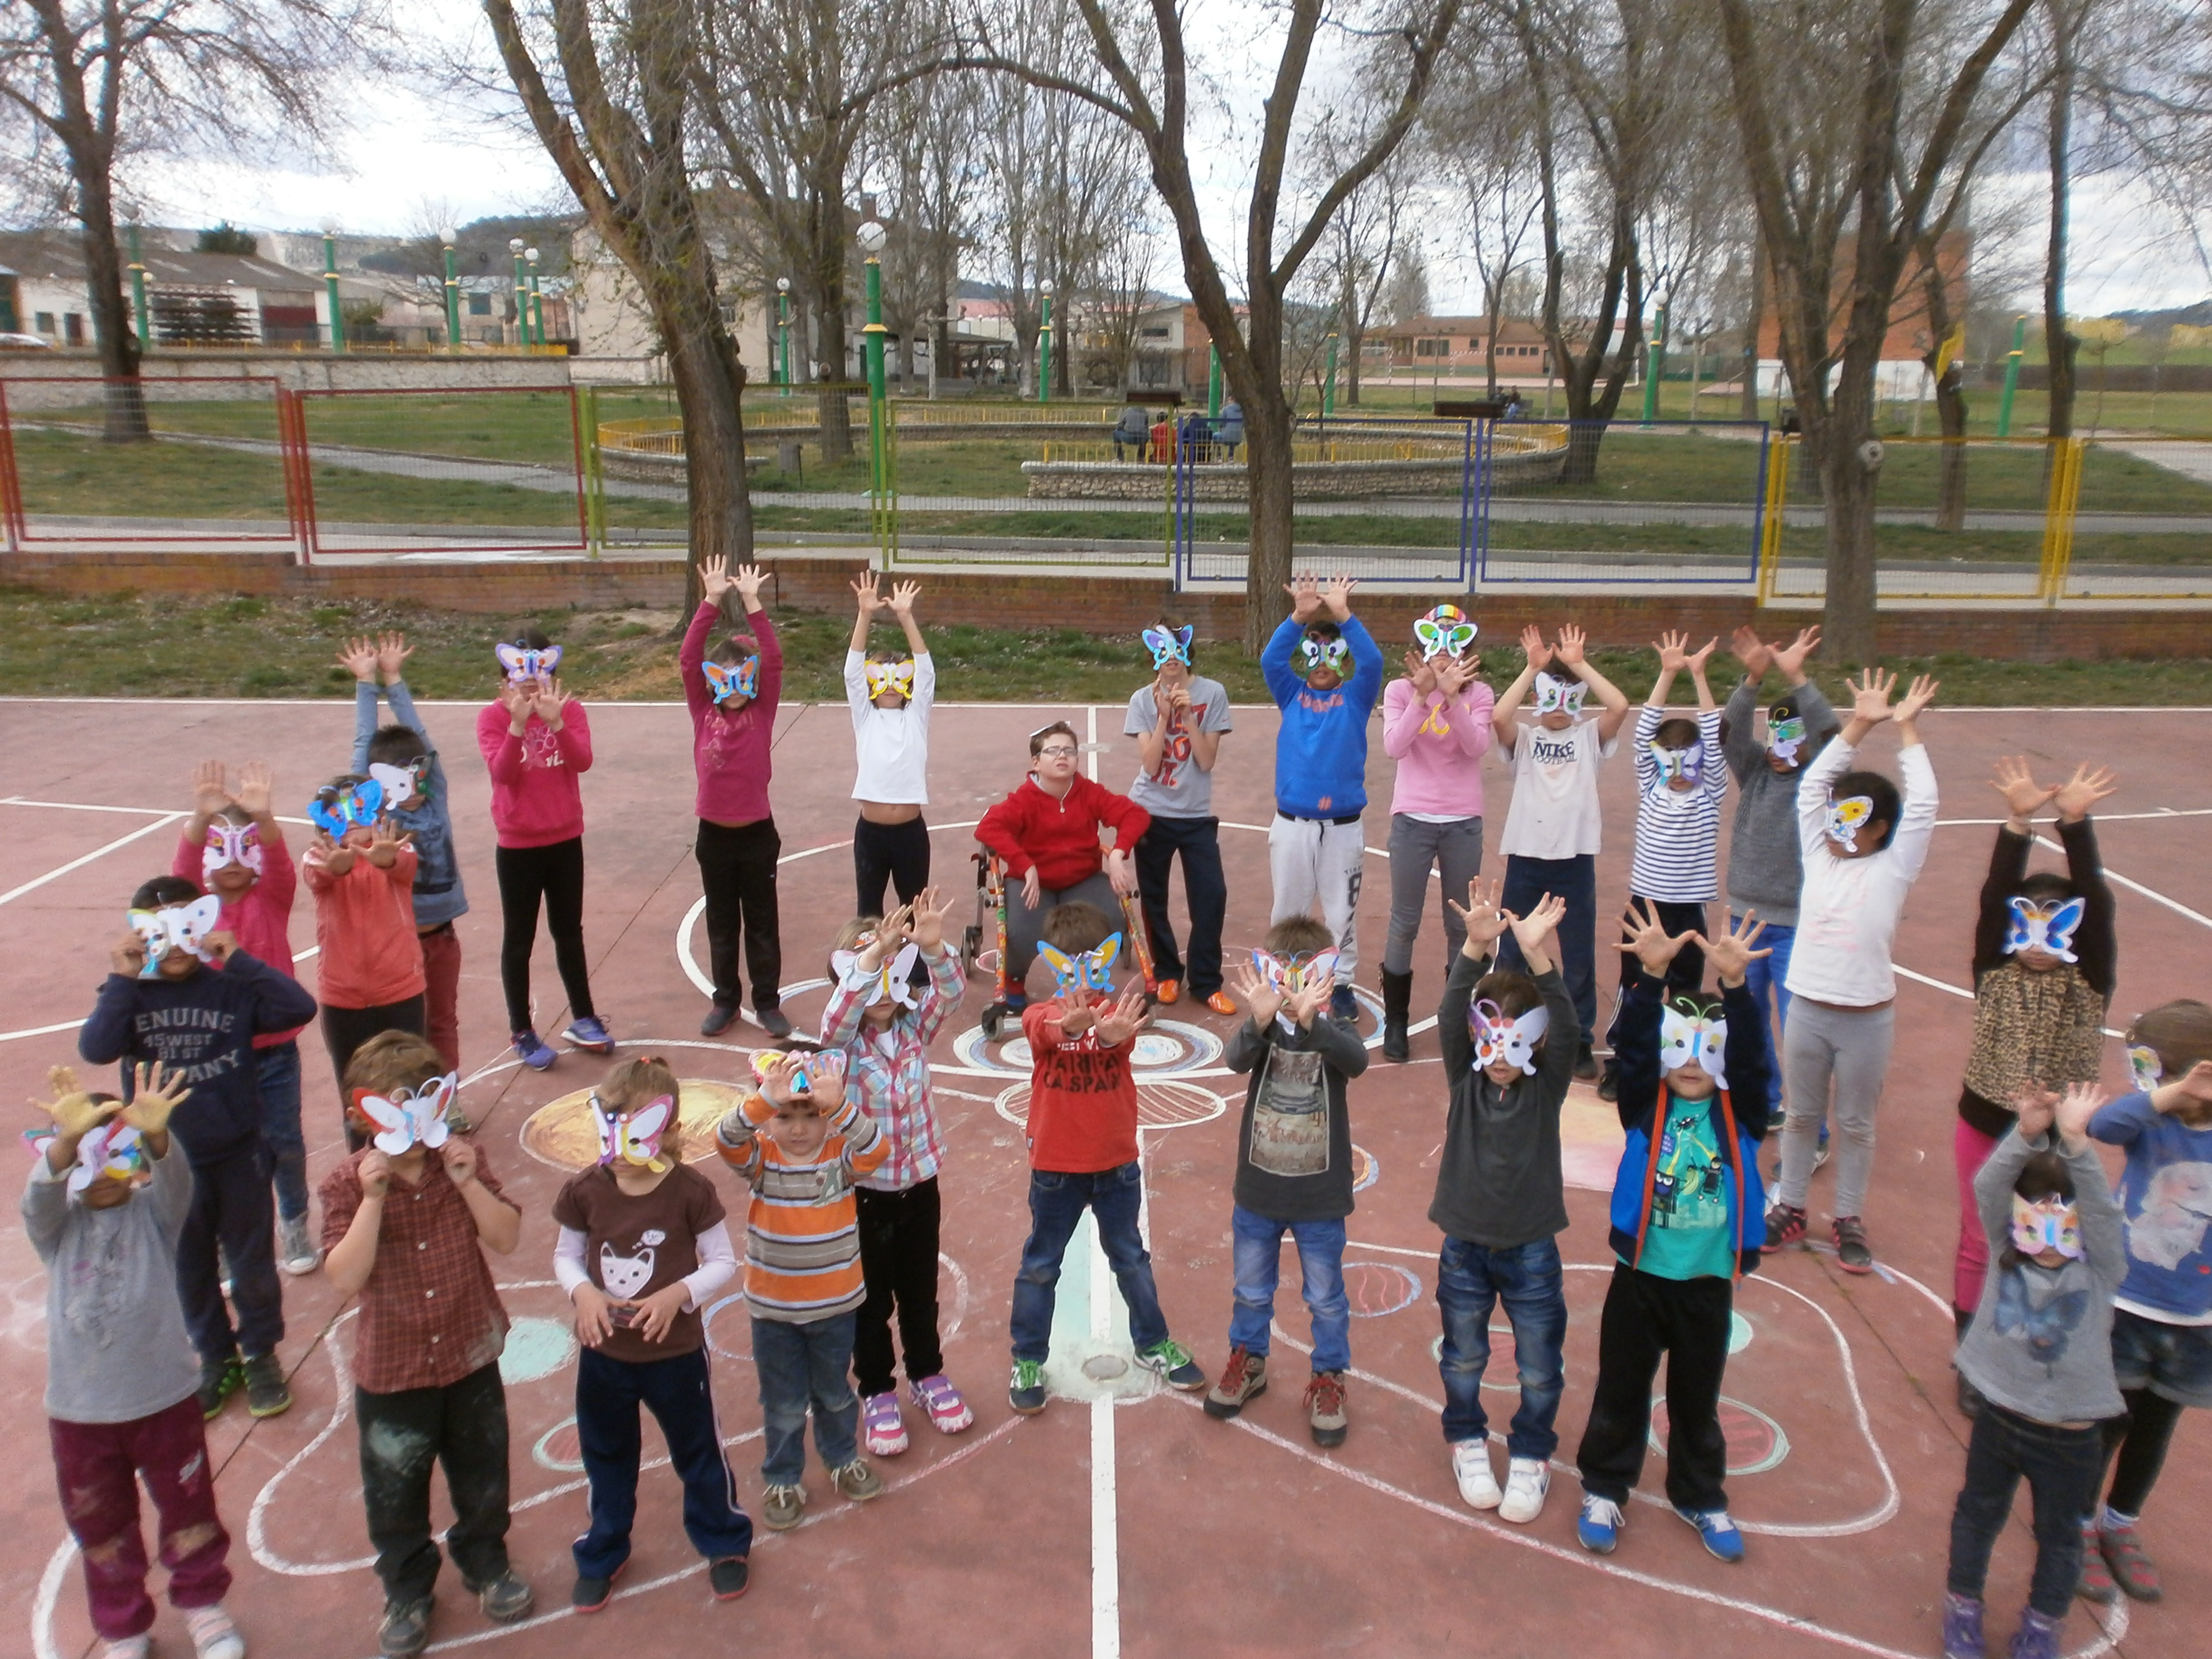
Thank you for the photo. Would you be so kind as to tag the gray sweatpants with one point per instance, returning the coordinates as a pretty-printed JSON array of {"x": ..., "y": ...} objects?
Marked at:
[
  {"x": 1455, "y": 848},
  {"x": 1319, "y": 863},
  {"x": 1849, "y": 1047}
]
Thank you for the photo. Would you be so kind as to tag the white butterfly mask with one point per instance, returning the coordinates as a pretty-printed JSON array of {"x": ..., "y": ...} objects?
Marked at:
[
  {"x": 403, "y": 786},
  {"x": 411, "y": 1117},
  {"x": 114, "y": 1150},
  {"x": 1685, "y": 1038},
  {"x": 1496, "y": 1037},
  {"x": 1846, "y": 817},
  {"x": 229, "y": 844},
  {"x": 176, "y": 927},
  {"x": 633, "y": 1137},
  {"x": 2044, "y": 925},
  {"x": 893, "y": 982},
  {"x": 1557, "y": 696},
  {"x": 2148, "y": 1069}
]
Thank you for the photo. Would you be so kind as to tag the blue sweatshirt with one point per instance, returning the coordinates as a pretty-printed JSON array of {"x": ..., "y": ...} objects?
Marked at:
[
  {"x": 2166, "y": 1195},
  {"x": 204, "y": 1025},
  {"x": 438, "y": 896},
  {"x": 1321, "y": 748}
]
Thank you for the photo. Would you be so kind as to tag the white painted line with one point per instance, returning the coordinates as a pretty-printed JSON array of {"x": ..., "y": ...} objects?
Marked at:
[
  {"x": 1105, "y": 1520},
  {"x": 41, "y": 1030},
  {"x": 2111, "y": 874},
  {"x": 2101, "y": 818},
  {"x": 81, "y": 806},
  {"x": 161, "y": 823}
]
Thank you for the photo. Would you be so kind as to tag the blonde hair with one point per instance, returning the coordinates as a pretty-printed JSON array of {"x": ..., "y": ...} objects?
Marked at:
[
  {"x": 392, "y": 1061},
  {"x": 633, "y": 1083}
]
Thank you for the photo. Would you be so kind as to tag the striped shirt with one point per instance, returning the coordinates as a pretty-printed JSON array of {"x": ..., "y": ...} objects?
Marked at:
[
  {"x": 1678, "y": 831},
  {"x": 802, "y": 1240},
  {"x": 887, "y": 1071}
]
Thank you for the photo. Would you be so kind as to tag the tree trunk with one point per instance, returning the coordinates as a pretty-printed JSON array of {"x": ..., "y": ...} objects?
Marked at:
[
  {"x": 112, "y": 327},
  {"x": 1268, "y": 484},
  {"x": 2058, "y": 344},
  {"x": 1847, "y": 621},
  {"x": 1748, "y": 397},
  {"x": 1951, "y": 479},
  {"x": 710, "y": 383},
  {"x": 1355, "y": 341}
]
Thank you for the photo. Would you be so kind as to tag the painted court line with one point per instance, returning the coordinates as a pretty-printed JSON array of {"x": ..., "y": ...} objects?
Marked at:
[{"x": 97, "y": 853}]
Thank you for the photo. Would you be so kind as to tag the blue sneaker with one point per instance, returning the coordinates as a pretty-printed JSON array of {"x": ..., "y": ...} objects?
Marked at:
[
  {"x": 1600, "y": 1524},
  {"x": 1722, "y": 1540},
  {"x": 1343, "y": 1006},
  {"x": 589, "y": 1033},
  {"x": 536, "y": 1054}
]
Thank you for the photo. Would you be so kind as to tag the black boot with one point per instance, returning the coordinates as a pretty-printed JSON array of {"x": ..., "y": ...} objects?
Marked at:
[
  {"x": 1971, "y": 1399},
  {"x": 1397, "y": 1001}
]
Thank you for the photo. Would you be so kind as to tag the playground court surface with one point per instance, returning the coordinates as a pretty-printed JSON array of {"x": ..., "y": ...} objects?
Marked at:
[{"x": 1122, "y": 1521}]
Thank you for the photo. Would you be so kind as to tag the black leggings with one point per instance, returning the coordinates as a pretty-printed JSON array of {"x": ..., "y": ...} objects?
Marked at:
[
  {"x": 2141, "y": 1436},
  {"x": 894, "y": 853},
  {"x": 344, "y": 1030},
  {"x": 554, "y": 873}
]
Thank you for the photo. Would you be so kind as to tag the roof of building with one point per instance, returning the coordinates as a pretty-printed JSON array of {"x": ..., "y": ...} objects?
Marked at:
[{"x": 60, "y": 255}]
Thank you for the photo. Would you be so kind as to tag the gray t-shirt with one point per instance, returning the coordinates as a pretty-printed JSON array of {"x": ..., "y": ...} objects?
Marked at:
[{"x": 1181, "y": 788}]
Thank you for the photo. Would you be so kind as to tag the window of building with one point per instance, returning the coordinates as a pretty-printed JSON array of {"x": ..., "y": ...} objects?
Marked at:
[
  {"x": 45, "y": 322},
  {"x": 1432, "y": 347},
  {"x": 1152, "y": 333},
  {"x": 479, "y": 305},
  {"x": 73, "y": 327}
]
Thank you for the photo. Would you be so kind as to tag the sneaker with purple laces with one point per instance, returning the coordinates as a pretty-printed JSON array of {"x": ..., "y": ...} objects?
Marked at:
[
  {"x": 948, "y": 1413},
  {"x": 589, "y": 1033},
  {"x": 881, "y": 1426},
  {"x": 536, "y": 1053}
]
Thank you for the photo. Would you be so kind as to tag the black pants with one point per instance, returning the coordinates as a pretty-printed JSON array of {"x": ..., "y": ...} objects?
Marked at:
[
  {"x": 231, "y": 1206},
  {"x": 1687, "y": 970},
  {"x": 2061, "y": 1467},
  {"x": 1685, "y": 1320},
  {"x": 894, "y": 852},
  {"x": 554, "y": 874},
  {"x": 898, "y": 1258},
  {"x": 344, "y": 1030},
  {"x": 1204, "y": 889},
  {"x": 737, "y": 867},
  {"x": 2141, "y": 1436},
  {"x": 462, "y": 1426},
  {"x": 679, "y": 1393}
]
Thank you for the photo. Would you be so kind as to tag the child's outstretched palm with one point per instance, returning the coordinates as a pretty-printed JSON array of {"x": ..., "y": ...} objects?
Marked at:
[
  {"x": 156, "y": 1093},
  {"x": 1305, "y": 597},
  {"x": 1126, "y": 1017},
  {"x": 1571, "y": 642},
  {"x": 2090, "y": 784},
  {"x": 1870, "y": 695},
  {"x": 1531, "y": 930},
  {"x": 2016, "y": 783},
  {"x": 1731, "y": 952},
  {"x": 1654, "y": 946},
  {"x": 749, "y": 580},
  {"x": 75, "y": 1113},
  {"x": 903, "y": 598},
  {"x": 1673, "y": 652},
  {"x": 865, "y": 595},
  {"x": 358, "y": 657},
  {"x": 255, "y": 783},
  {"x": 930, "y": 909},
  {"x": 2075, "y": 1107},
  {"x": 1756, "y": 656},
  {"x": 1914, "y": 702},
  {"x": 210, "y": 792},
  {"x": 391, "y": 654},
  {"x": 1533, "y": 648},
  {"x": 1485, "y": 921},
  {"x": 1260, "y": 1001},
  {"x": 714, "y": 582}
]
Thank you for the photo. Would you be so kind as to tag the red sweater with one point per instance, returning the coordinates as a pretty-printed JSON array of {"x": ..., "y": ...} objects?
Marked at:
[
  {"x": 261, "y": 916},
  {"x": 365, "y": 923},
  {"x": 730, "y": 752},
  {"x": 1059, "y": 838},
  {"x": 1083, "y": 1097},
  {"x": 535, "y": 800}
]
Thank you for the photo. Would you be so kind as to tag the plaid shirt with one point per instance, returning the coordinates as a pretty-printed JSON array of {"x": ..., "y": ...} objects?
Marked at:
[
  {"x": 887, "y": 1071},
  {"x": 429, "y": 1315}
]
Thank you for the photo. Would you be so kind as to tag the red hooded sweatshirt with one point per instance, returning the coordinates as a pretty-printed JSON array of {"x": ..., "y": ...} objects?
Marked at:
[{"x": 1059, "y": 838}]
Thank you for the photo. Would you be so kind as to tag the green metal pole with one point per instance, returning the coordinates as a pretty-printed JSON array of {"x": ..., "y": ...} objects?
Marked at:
[
  {"x": 1329, "y": 386},
  {"x": 331, "y": 283},
  {"x": 138, "y": 293},
  {"x": 453, "y": 303},
  {"x": 1654, "y": 364},
  {"x": 878, "y": 414},
  {"x": 535, "y": 318},
  {"x": 521, "y": 293},
  {"x": 1212, "y": 381},
  {"x": 1045, "y": 352},
  {"x": 2011, "y": 375},
  {"x": 783, "y": 330}
]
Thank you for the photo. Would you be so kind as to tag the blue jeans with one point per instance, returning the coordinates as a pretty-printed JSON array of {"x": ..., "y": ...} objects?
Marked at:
[
  {"x": 610, "y": 1394},
  {"x": 277, "y": 1068},
  {"x": 1321, "y": 1272},
  {"x": 1575, "y": 880},
  {"x": 1764, "y": 978},
  {"x": 801, "y": 1365},
  {"x": 1471, "y": 1279},
  {"x": 1115, "y": 1197}
]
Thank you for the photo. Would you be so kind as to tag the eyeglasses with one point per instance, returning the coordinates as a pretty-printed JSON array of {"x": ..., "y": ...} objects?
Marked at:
[{"x": 1058, "y": 749}]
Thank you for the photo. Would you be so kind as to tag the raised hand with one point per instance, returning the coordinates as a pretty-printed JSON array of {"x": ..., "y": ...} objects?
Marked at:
[
  {"x": 385, "y": 843},
  {"x": 514, "y": 696},
  {"x": 1259, "y": 999},
  {"x": 550, "y": 702},
  {"x": 254, "y": 785},
  {"x": 2075, "y": 1107},
  {"x": 156, "y": 1092},
  {"x": 1125, "y": 1019},
  {"x": 1730, "y": 952},
  {"x": 714, "y": 582},
  {"x": 375, "y": 1174},
  {"x": 127, "y": 956},
  {"x": 1529, "y": 932},
  {"x": 1305, "y": 598},
  {"x": 1336, "y": 594},
  {"x": 1077, "y": 1013},
  {"x": 1457, "y": 674},
  {"x": 460, "y": 1157},
  {"x": 1696, "y": 661},
  {"x": 2037, "y": 1108},
  {"x": 903, "y": 598},
  {"x": 1572, "y": 640},
  {"x": 750, "y": 577},
  {"x": 1910, "y": 706},
  {"x": 1418, "y": 671},
  {"x": 2090, "y": 784},
  {"x": 1756, "y": 657},
  {"x": 895, "y": 929},
  {"x": 1790, "y": 659},
  {"x": 1305, "y": 1003},
  {"x": 1674, "y": 653},
  {"x": 1534, "y": 648},
  {"x": 2022, "y": 793},
  {"x": 220, "y": 946},
  {"x": 75, "y": 1113},
  {"x": 1485, "y": 921},
  {"x": 1870, "y": 695},
  {"x": 209, "y": 791},
  {"x": 930, "y": 906},
  {"x": 864, "y": 593},
  {"x": 359, "y": 656},
  {"x": 391, "y": 654},
  {"x": 1653, "y": 945}
]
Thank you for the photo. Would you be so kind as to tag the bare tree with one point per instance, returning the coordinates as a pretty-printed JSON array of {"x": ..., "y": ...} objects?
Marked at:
[
  {"x": 1360, "y": 254},
  {"x": 924, "y": 138}
]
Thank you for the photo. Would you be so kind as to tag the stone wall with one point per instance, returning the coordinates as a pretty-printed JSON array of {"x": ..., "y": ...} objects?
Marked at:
[
  {"x": 1310, "y": 481},
  {"x": 29, "y": 377}
]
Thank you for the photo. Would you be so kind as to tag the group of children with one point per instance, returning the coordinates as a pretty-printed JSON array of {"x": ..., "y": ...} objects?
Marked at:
[{"x": 154, "y": 1209}]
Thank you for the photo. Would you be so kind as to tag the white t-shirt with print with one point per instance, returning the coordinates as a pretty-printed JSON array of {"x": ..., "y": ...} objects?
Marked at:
[{"x": 1555, "y": 813}]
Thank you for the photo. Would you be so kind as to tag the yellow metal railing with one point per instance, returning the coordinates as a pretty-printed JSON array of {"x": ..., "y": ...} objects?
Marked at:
[
  {"x": 2058, "y": 512},
  {"x": 1769, "y": 524}
]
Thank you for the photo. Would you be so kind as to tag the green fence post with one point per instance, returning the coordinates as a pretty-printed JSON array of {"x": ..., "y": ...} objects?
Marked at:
[
  {"x": 138, "y": 293},
  {"x": 1654, "y": 364},
  {"x": 2011, "y": 375}
]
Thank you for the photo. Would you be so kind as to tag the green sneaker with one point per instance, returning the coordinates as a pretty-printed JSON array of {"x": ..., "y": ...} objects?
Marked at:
[
  {"x": 219, "y": 1380},
  {"x": 1173, "y": 1362},
  {"x": 1025, "y": 1394}
]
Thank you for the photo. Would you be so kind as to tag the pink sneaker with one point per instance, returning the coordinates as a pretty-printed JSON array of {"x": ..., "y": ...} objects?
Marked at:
[
  {"x": 881, "y": 1426},
  {"x": 948, "y": 1411}
]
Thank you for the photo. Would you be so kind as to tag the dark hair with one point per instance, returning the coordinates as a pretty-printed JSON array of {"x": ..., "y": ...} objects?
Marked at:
[
  {"x": 164, "y": 889},
  {"x": 1513, "y": 991},
  {"x": 1675, "y": 733},
  {"x": 1169, "y": 625},
  {"x": 345, "y": 781},
  {"x": 2043, "y": 1175},
  {"x": 2179, "y": 1032},
  {"x": 529, "y": 638},
  {"x": 1888, "y": 803},
  {"x": 395, "y": 745},
  {"x": 1297, "y": 935},
  {"x": 879, "y": 654},
  {"x": 1563, "y": 670},
  {"x": 1696, "y": 1004},
  {"x": 1076, "y": 926},
  {"x": 2044, "y": 885},
  {"x": 1037, "y": 737},
  {"x": 1323, "y": 630},
  {"x": 742, "y": 645}
]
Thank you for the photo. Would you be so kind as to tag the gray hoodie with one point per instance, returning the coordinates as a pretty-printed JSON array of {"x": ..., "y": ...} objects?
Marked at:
[{"x": 1765, "y": 869}]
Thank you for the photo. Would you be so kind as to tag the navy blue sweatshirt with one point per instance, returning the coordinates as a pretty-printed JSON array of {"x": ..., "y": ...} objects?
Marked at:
[
  {"x": 1321, "y": 748},
  {"x": 204, "y": 1025}
]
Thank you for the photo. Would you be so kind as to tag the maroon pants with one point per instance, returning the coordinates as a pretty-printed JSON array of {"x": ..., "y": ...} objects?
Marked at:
[
  {"x": 99, "y": 1466},
  {"x": 441, "y": 967}
]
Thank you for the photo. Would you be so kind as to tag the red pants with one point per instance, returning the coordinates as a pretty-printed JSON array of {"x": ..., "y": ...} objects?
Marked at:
[
  {"x": 99, "y": 1466},
  {"x": 1969, "y": 1149},
  {"x": 441, "y": 967}
]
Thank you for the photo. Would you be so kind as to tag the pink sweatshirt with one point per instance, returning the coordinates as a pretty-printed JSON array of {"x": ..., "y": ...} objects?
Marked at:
[
  {"x": 261, "y": 916},
  {"x": 365, "y": 922},
  {"x": 535, "y": 800},
  {"x": 730, "y": 752},
  {"x": 1438, "y": 742}
]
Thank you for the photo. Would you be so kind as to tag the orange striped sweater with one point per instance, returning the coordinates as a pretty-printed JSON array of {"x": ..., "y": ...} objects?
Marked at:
[{"x": 802, "y": 1240}]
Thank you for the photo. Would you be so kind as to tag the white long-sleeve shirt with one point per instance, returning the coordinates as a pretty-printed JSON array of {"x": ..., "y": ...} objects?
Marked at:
[
  {"x": 890, "y": 746},
  {"x": 718, "y": 1263},
  {"x": 1848, "y": 912}
]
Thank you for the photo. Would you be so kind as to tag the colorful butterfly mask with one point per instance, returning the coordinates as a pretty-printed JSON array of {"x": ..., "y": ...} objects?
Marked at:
[
  {"x": 1785, "y": 736},
  {"x": 407, "y": 786},
  {"x": 525, "y": 662},
  {"x": 2043, "y": 924},
  {"x": 1168, "y": 647},
  {"x": 175, "y": 927},
  {"x": 409, "y": 1117},
  {"x": 633, "y": 1137},
  {"x": 1496, "y": 1037},
  {"x": 1846, "y": 817},
  {"x": 337, "y": 811},
  {"x": 2046, "y": 1223},
  {"x": 1685, "y": 1037},
  {"x": 806, "y": 1074},
  {"x": 742, "y": 681},
  {"x": 114, "y": 1150},
  {"x": 229, "y": 844},
  {"x": 1287, "y": 976},
  {"x": 1679, "y": 764},
  {"x": 1087, "y": 970},
  {"x": 893, "y": 980},
  {"x": 891, "y": 677},
  {"x": 1315, "y": 655},
  {"x": 2148, "y": 1069},
  {"x": 1444, "y": 632},
  {"x": 1557, "y": 696}
]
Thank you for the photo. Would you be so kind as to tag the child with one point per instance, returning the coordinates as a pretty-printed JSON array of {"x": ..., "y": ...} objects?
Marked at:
[
  {"x": 1552, "y": 828},
  {"x": 2044, "y": 964},
  {"x": 800, "y": 1144},
  {"x": 369, "y": 967},
  {"x": 402, "y": 758},
  {"x": 426, "y": 1387},
  {"x": 891, "y": 697},
  {"x": 1686, "y": 1222},
  {"x": 1436, "y": 725},
  {"x": 883, "y": 1026},
  {"x": 1765, "y": 869},
  {"x": 104, "y": 1207},
  {"x": 1177, "y": 721},
  {"x": 1294, "y": 1168},
  {"x": 1862, "y": 849},
  {"x": 1325, "y": 672},
  {"x": 1500, "y": 1197},
  {"x": 733, "y": 704},
  {"x": 1679, "y": 781},
  {"x": 537, "y": 741},
  {"x": 1083, "y": 1153},
  {"x": 158, "y": 1003},
  {"x": 643, "y": 1248},
  {"x": 234, "y": 848},
  {"x": 2040, "y": 1351},
  {"x": 2162, "y": 1316}
]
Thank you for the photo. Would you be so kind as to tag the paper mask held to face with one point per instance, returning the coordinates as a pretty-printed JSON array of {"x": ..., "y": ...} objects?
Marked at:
[
  {"x": 742, "y": 680},
  {"x": 2046, "y": 1223},
  {"x": 1679, "y": 765},
  {"x": 403, "y": 786},
  {"x": 897, "y": 676},
  {"x": 633, "y": 1137},
  {"x": 893, "y": 981},
  {"x": 175, "y": 927},
  {"x": 114, "y": 1150},
  {"x": 524, "y": 662},
  {"x": 1289, "y": 976},
  {"x": 1558, "y": 697},
  {"x": 1444, "y": 632},
  {"x": 409, "y": 1117},
  {"x": 1512, "y": 1041},
  {"x": 337, "y": 811},
  {"x": 1688, "y": 1035},
  {"x": 1167, "y": 647},
  {"x": 2047, "y": 924},
  {"x": 1846, "y": 817},
  {"x": 1315, "y": 655},
  {"x": 2148, "y": 1069},
  {"x": 1086, "y": 970},
  {"x": 229, "y": 844},
  {"x": 1785, "y": 735},
  {"x": 805, "y": 1075}
]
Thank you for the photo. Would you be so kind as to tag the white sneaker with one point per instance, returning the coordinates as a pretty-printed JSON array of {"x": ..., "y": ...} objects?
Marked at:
[
  {"x": 295, "y": 1250},
  {"x": 213, "y": 1636},
  {"x": 125, "y": 1647},
  {"x": 1471, "y": 1468},
  {"x": 1527, "y": 1480}
]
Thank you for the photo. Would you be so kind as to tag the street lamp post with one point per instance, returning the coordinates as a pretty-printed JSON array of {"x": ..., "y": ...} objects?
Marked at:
[
  {"x": 536, "y": 303},
  {"x": 1328, "y": 385},
  {"x": 783, "y": 331},
  {"x": 871, "y": 237},
  {"x": 1212, "y": 382},
  {"x": 452, "y": 294},
  {"x": 138, "y": 293},
  {"x": 1044, "y": 346},
  {"x": 330, "y": 286},
  {"x": 521, "y": 292}
]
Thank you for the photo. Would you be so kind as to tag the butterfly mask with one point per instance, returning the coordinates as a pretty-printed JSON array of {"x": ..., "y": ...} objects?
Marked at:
[
  {"x": 1679, "y": 765},
  {"x": 2046, "y": 1223},
  {"x": 404, "y": 786},
  {"x": 806, "y": 1075},
  {"x": 1685, "y": 1037},
  {"x": 115, "y": 1150},
  {"x": 2143, "y": 1062},
  {"x": 1558, "y": 697},
  {"x": 409, "y": 1117},
  {"x": 633, "y": 1137},
  {"x": 524, "y": 662},
  {"x": 1785, "y": 736},
  {"x": 1444, "y": 632},
  {"x": 1846, "y": 817},
  {"x": 2047, "y": 925},
  {"x": 229, "y": 844},
  {"x": 1086, "y": 970},
  {"x": 893, "y": 980},
  {"x": 1168, "y": 647},
  {"x": 741, "y": 681},
  {"x": 1513, "y": 1040},
  {"x": 337, "y": 811},
  {"x": 175, "y": 927},
  {"x": 897, "y": 676},
  {"x": 1287, "y": 976},
  {"x": 1315, "y": 655}
]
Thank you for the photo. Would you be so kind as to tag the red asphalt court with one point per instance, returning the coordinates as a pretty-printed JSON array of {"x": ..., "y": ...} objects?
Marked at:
[{"x": 1125, "y": 1522}]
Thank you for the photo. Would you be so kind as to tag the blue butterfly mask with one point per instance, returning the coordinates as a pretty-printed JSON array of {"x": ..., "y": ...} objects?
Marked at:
[
  {"x": 1089, "y": 970},
  {"x": 1168, "y": 647},
  {"x": 2043, "y": 924},
  {"x": 524, "y": 662},
  {"x": 742, "y": 681},
  {"x": 339, "y": 811}
]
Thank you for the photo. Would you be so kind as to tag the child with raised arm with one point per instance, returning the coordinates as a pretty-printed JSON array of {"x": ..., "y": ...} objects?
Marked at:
[
  {"x": 1553, "y": 829},
  {"x": 733, "y": 702},
  {"x": 234, "y": 848},
  {"x": 1325, "y": 672},
  {"x": 105, "y": 1206},
  {"x": 1500, "y": 1198},
  {"x": 1862, "y": 846},
  {"x": 1178, "y": 721},
  {"x": 891, "y": 693}
]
